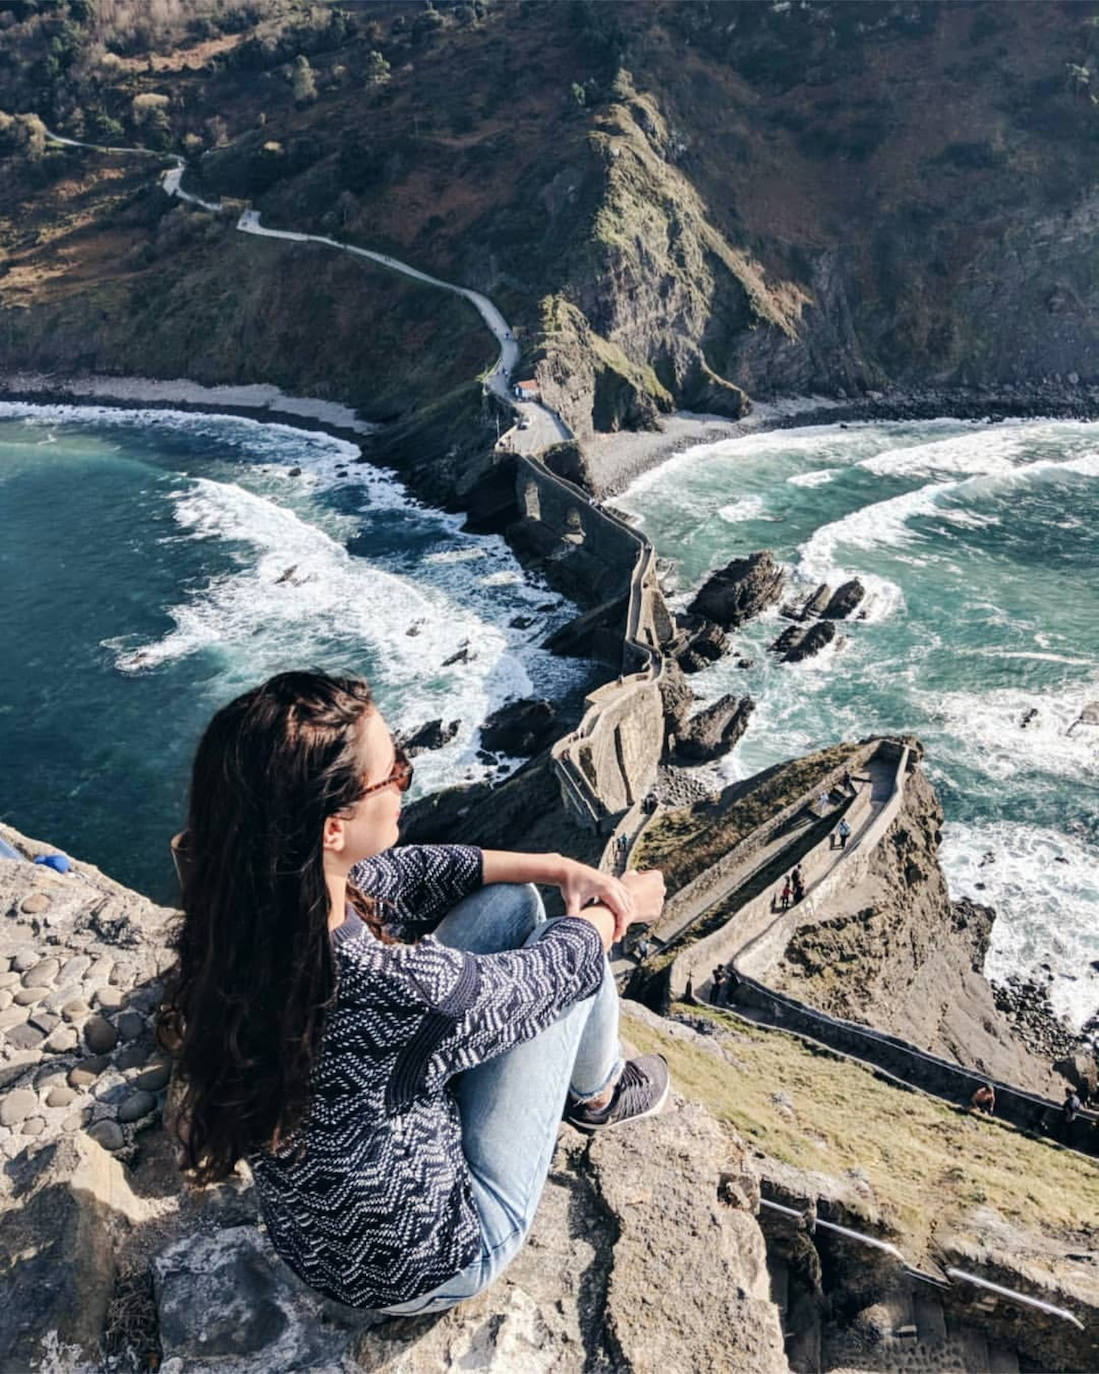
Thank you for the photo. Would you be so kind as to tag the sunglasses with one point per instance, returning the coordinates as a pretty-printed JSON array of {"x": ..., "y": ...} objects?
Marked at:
[{"x": 401, "y": 775}]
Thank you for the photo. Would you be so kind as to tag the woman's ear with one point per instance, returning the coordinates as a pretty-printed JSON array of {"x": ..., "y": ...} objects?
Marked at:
[{"x": 334, "y": 836}]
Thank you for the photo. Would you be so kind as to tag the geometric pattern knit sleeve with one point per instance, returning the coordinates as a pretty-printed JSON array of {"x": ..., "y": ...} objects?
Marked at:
[
  {"x": 476, "y": 1006},
  {"x": 417, "y": 884}
]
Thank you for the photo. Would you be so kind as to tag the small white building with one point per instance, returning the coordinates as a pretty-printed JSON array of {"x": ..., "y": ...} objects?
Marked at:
[{"x": 526, "y": 391}]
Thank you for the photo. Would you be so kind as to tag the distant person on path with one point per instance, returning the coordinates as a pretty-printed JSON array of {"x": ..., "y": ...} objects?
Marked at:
[
  {"x": 824, "y": 801},
  {"x": 689, "y": 990},
  {"x": 1070, "y": 1108},
  {"x": 717, "y": 987},
  {"x": 787, "y": 893},
  {"x": 843, "y": 830},
  {"x": 389, "y": 1034},
  {"x": 848, "y": 785},
  {"x": 799, "y": 884},
  {"x": 984, "y": 1099}
]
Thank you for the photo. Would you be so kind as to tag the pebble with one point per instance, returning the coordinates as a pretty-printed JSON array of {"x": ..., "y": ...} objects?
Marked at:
[
  {"x": 76, "y": 1010},
  {"x": 100, "y": 971},
  {"x": 17, "y": 1106},
  {"x": 108, "y": 1134},
  {"x": 35, "y": 1126},
  {"x": 130, "y": 1056},
  {"x": 84, "y": 1074},
  {"x": 10, "y": 979},
  {"x": 137, "y": 1106},
  {"x": 60, "y": 1097},
  {"x": 154, "y": 1078},
  {"x": 73, "y": 1121},
  {"x": 24, "y": 1037},
  {"x": 24, "y": 959},
  {"x": 108, "y": 999},
  {"x": 5, "y": 999},
  {"x": 26, "y": 997},
  {"x": 36, "y": 902},
  {"x": 57, "y": 1000},
  {"x": 16, "y": 1066},
  {"x": 122, "y": 975},
  {"x": 74, "y": 969},
  {"x": 14, "y": 1016},
  {"x": 45, "y": 1021},
  {"x": 42, "y": 974},
  {"x": 130, "y": 1025},
  {"x": 62, "y": 1040},
  {"x": 100, "y": 1035}
]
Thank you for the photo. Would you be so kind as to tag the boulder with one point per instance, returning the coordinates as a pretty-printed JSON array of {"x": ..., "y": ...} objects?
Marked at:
[
  {"x": 803, "y": 641},
  {"x": 813, "y": 605},
  {"x": 521, "y": 728},
  {"x": 433, "y": 735},
  {"x": 59, "y": 1265},
  {"x": 704, "y": 642},
  {"x": 844, "y": 600},
  {"x": 714, "y": 731},
  {"x": 734, "y": 594}
]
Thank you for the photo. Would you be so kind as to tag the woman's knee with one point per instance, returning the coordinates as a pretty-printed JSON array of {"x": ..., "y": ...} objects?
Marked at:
[{"x": 497, "y": 917}]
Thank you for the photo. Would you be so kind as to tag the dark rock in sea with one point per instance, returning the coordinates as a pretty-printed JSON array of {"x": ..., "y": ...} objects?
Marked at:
[
  {"x": 740, "y": 590},
  {"x": 844, "y": 600},
  {"x": 415, "y": 628},
  {"x": 521, "y": 728},
  {"x": 714, "y": 731},
  {"x": 433, "y": 735},
  {"x": 293, "y": 472},
  {"x": 463, "y": 655},
  {"x": 812, "y": 605},
  {"x": 703, "y": 643},
  {"x": 521, "y": 622},
  {"x": 803, "y": 641}
]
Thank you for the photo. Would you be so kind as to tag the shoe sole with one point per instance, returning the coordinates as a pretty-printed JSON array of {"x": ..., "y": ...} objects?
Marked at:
[{"x": 588, "y": 1128}]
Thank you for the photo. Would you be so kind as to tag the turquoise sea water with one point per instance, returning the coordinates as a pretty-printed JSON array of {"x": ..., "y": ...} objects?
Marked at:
[
  {"x": 979, "y": 545},
  {"x": 153, "y": 564}
]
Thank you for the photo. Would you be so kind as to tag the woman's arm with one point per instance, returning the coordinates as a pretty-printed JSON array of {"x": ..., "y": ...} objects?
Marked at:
[
  {"x": 609, "y": 903},
  {"x": 580, "y": 884}
]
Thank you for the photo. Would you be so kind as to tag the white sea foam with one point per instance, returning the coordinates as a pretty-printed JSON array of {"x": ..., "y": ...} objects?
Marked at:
[
  {"x": 819, "y": 477},
  {"x": 1044, "y": 886},
  {"x": 299, "y": 597},
  {"x": 987, "y": 730},
  {"x": 744, "y": 508}
]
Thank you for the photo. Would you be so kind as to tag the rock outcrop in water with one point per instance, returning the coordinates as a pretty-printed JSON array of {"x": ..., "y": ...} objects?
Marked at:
[
  {"x": 736, "y": 593},
  {"x": 520, "y": 728},
  {"x": 714, "y": 731},
  {"x": 704, "y": 642},
  {"x": 803, "y": 641},
  {"x": 844, "y": 600}
]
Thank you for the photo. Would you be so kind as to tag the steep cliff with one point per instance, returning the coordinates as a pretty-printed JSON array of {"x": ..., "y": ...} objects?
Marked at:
[{"x": 896, "y": 953}]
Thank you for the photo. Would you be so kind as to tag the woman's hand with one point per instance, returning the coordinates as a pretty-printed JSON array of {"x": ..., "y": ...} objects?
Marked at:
[
  {"x": 583, "y": 886},
  {"x": 646, "y": 887}
]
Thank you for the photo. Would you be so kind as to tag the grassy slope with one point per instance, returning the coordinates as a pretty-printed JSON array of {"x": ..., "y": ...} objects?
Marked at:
[
  {"x": 911, "y": 1147},
  {"x": 685, "y": 842}
]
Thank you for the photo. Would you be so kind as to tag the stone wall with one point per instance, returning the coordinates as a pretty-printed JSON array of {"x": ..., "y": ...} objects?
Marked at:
[{"x": 609, "y": 762}]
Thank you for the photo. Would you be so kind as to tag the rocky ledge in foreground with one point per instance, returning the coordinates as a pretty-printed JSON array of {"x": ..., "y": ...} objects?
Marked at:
[{"x": 645, "y": 1255}]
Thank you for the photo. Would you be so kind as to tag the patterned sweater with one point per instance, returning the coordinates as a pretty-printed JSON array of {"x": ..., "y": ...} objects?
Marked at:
[{"x": 369, "y": 1201}]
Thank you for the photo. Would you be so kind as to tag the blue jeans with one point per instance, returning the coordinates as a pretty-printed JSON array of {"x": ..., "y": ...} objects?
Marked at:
[{"x": 511, "y": 1106}]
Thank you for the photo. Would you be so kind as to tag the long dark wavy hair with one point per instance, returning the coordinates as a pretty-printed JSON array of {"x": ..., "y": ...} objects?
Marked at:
[{"x": 245, "y": 1007}]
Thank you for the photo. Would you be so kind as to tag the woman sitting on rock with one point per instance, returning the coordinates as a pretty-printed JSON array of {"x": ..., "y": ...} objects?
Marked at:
[{"x": 389, "y": 1036}]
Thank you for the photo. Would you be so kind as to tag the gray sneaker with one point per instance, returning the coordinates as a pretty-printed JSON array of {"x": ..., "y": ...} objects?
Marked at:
[{"x": 641, "y": 1091}]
